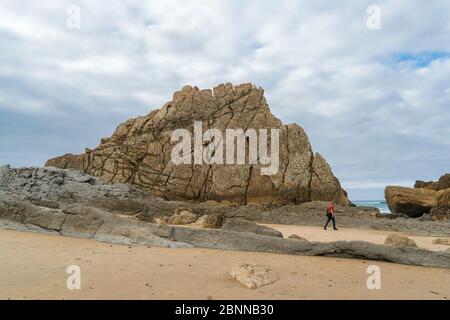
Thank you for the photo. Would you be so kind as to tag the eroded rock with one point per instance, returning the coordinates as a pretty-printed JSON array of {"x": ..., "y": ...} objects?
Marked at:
[
  {"x": 253, "y": 275},
  {"x": 412, "y": 202}
]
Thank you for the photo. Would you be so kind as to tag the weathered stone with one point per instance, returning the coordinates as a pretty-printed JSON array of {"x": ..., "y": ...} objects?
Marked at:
[
  {"x": 242, "y": 225},
  {"x": 413, "y": 202},
  {"x": 139, "y": 153},
  {"x": 399, "y": 240},
  {"x": 419, "y": 184},
  {"x": 253, "y": 275},
  {"x": 116, "y": 230}
]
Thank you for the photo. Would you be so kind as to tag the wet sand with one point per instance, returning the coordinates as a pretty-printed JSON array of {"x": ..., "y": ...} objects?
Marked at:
[{"x": 33, "y": 266}]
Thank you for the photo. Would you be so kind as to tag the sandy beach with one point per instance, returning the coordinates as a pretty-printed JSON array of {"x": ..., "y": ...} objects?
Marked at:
[
  {"x": 33, "y": 266},
  {"x": 347, "y": 234}
]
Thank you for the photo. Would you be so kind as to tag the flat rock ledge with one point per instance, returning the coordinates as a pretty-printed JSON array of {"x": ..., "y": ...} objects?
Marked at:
[{"x": 121, "y": 231}]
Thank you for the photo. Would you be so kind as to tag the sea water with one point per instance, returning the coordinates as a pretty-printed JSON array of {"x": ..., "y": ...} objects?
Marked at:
[{"x": 380, "y": 204}]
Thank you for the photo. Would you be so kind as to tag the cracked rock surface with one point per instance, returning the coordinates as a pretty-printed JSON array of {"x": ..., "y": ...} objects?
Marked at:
[{"x": 139, "y": 153}]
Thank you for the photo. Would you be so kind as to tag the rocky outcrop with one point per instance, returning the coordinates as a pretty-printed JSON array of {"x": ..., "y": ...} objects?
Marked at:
[
  {"x": 412, "y": 202},
  {"x": 139, "y": 153},
  {"x": 52, "y": 188},
  {"x": 47, "y": 190},
  {"x": 63, "y": 202},
  {"x": 253, "y": 275},
  {"x": 426, "y": 197},
  {"x": 399, "y": 240},
  {"x": 79, "y": 221}
]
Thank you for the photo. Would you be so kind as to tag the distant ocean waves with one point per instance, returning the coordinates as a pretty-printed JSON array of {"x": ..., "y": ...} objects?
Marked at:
[{"x": 380, "y": 204}]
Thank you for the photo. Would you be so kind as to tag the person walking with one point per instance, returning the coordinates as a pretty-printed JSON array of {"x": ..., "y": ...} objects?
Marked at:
[{"x": 330, "y": 216}]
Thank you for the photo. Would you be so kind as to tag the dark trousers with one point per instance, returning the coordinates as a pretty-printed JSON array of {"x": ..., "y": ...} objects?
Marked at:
[{"x": 330, "y": 218}]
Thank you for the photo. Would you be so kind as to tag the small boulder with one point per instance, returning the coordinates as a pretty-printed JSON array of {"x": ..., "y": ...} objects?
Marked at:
[
  {"x": 296, "y": 237},
  {"x": 253, "y": 275},
  {"x": 241, "y": 225},
  {"x": 213, "y": 221},
  {"x": 399, "y": 240}
]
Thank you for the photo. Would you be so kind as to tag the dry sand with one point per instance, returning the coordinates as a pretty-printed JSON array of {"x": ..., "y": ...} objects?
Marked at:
[
  {"x": 330, "y": 235},
  {"x": 33, "y": 266}
]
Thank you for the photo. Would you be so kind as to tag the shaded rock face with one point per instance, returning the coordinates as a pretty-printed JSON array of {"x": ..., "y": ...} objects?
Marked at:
[
  {"x": 412, "y": 202},
  {"x": 139, "y": 153}
]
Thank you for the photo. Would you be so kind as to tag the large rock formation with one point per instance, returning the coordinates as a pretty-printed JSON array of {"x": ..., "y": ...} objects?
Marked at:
[
  {"x": 399, "y": 240},
  {"x": 139, "y": 152},
  {"x": 426, "y": 197},
  {"x": 413, "y": 202}
]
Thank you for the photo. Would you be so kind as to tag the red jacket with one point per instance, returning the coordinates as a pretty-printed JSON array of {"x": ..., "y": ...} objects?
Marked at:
[{"x": 330, "y": 209}]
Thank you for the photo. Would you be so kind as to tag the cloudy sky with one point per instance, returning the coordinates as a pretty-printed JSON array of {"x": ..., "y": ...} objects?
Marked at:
[{"x": 374, "y": 102}]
